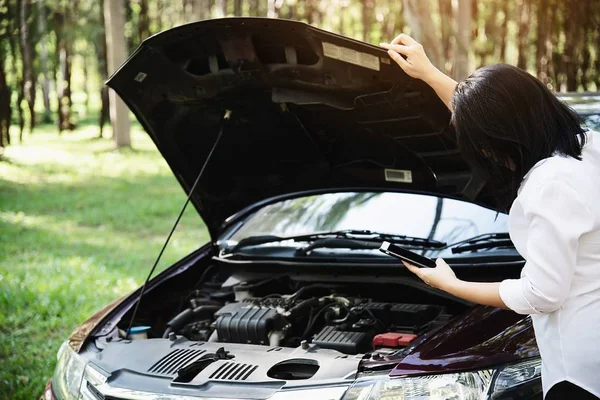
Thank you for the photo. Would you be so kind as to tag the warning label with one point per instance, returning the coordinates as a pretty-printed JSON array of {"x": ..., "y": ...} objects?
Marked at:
[{"x": 351, "y": 56}]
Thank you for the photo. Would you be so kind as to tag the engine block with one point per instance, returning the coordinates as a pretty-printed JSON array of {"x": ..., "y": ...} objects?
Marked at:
[{"x": 248, "y": 323}]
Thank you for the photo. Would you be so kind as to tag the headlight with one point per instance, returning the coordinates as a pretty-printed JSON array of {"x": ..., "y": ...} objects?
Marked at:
[
  {"x": 459, "y": 386},
  {"x": 475, "y": 385},
  {"x": 68, "y": 373},
  {"x": 514, "y": 375}
]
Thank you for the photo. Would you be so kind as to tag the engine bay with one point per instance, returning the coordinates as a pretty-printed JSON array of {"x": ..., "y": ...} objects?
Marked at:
[
  {"x": 351, "y": 318},
  {"x": 210, "y": 327}
]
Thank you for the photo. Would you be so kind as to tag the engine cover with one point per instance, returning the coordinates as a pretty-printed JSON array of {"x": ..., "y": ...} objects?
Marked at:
[
  {"x": 344, "y": 341},
  {"x": 247, "y": 323}
]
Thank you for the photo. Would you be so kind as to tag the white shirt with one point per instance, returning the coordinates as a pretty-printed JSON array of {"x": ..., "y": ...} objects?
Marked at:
[{"x": 555, "y": 225}]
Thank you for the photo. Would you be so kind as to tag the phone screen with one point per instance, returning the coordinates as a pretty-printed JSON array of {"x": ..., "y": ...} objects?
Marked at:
[{"x": 407, "y": 255}]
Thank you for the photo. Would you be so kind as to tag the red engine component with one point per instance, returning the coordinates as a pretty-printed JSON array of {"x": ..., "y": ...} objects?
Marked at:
[{"x": 393, "y": 339}]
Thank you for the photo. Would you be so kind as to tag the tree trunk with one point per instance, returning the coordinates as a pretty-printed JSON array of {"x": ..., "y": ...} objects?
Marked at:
[
  {"x": 446, "y": 27},
  {"x": 489, "y": 32},
  {"x": 63, "y": 81},
  {"x": 596, "y": 45},
  {"x": 523, "y": 38},
  {"x": 4, "y": 104},
  {"x": 47, "y": 118},
  {"x": 115, "y": 45},
  {"x": 29, "y": 81},
  {"x": 549, "y": 46},
  {"x": 390, "y": 23},
  {"x": 86, "y": 83},
  {"x": 367, "y": 18},
  {"x": 201, "y": 10},
  {"x": 64, "y": 87},
  {"x": 542, "y": 40},
  {"x": 273, "y": 9},
  {"x": 418, "y": 15},
  {"x": 291, "y": 12},
  {"x": 144, "y": 21},
  {"x": 237, "y": 8},
  {"x": 159, "y": 15},
  {"x": 463, "y": 39},
  {"x": 569, "y": 54},
  {"x": 587, "y": 37},
  {"x": 312, "y": 13},
  {"x": 100, "y": 47},
  {"x": 15, "y": 71},
  {"x": 221, "y": 6},
  {"x": 504, "y": 31},
  {"x": 254, "y": 8}
]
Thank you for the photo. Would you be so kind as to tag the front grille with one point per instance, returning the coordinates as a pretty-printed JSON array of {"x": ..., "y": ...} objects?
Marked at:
[
  {"x": 231, "y": 371},
  {"x": 175, "y": 360}
]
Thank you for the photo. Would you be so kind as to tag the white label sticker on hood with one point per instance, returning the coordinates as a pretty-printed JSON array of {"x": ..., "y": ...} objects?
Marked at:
[
  {"x": 351, "y": 56},
  {"x": 398, "y": 175}
]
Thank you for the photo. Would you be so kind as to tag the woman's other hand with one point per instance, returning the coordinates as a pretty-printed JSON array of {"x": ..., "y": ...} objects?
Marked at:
[
  {"x": 416, "y": 64},
  {"x": 441, "y": 277}
]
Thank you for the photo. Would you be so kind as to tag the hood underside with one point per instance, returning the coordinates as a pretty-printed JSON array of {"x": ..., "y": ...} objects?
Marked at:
[{"x": 310, "y": 110}]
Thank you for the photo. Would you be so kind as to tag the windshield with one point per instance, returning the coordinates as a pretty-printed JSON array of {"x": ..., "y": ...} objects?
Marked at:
[
  {"x": 592, "y": 121},
  {"x": 424, "y": 216}
]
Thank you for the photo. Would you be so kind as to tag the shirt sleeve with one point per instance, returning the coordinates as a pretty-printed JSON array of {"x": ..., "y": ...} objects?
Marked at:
[{"x": 557, "y": 217}]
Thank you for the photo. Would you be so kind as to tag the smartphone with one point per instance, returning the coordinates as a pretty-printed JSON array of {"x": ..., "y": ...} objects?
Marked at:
[{"x": 406, "y": 255}]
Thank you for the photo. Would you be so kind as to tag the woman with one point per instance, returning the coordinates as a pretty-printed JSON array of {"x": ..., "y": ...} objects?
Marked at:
[{"x": 546, "y": 168}]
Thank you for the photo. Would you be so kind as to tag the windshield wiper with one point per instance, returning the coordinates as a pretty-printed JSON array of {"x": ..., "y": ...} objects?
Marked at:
[
  {"x": 350, "y": 237},
  {"x": 485, "y": 241}
]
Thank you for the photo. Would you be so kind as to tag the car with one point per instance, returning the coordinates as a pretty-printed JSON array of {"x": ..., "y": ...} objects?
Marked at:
[
  {"x": 587, "y": 105},
  {"x": 303, "y": 151}
]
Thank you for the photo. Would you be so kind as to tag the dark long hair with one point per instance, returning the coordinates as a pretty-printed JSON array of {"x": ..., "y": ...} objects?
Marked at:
[{"x": 506, "y": 121}]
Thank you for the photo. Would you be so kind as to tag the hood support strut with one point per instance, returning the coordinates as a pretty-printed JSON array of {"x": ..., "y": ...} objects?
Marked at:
[{"x": 226, "y": 117}]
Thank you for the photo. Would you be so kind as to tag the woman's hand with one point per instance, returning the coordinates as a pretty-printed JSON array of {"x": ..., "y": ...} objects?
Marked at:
[
  {"x": 441, "y": 277},
  {"x": 418, "y": 66},
  {"x": 416, "y": 63}
]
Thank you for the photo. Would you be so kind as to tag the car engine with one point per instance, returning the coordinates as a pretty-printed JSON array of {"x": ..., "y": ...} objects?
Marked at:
[{"x": 317, "y": 314}]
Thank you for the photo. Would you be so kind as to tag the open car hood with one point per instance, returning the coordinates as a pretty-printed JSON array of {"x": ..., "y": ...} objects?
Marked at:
[{"x": 309, "y": 110}]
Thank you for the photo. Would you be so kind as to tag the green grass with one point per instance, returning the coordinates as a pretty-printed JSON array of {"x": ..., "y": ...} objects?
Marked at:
[{"x": 80, "y": 225}]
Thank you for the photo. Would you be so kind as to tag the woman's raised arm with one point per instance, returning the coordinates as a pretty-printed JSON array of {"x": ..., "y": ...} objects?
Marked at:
[{"x": 417, "y": 65}]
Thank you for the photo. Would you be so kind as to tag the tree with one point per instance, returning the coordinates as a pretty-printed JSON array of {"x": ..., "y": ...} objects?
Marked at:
[
  {"x": 116, "y": 52},
  {"x": 237, "y": 8},
  {"x": 144, "y": 21},
  {"x": 523, "y": 38},
  {"x": 418, "y": 15},
  {"x": 29, "y": 81},
  {"x": 14, "y": 31},
  {"x": 5, "y": 111},
  {"x": 64, "y": 39},
  {"x": 100, "y": 47},
  {"x": 447, "y": 28},
  {"x": 45, "y": 83},
  {"x": 367, "y": 18},
  {"x": 222, "y": 7},
  {"x": 463, "y": 39},
  {"x": 201, "y": 9},
  {"x": 504, "y": 31},
  {"x": 4, "y": 105}
]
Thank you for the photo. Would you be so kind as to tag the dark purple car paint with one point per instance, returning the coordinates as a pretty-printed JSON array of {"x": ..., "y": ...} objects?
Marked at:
[{"x": 482, "y": 337}]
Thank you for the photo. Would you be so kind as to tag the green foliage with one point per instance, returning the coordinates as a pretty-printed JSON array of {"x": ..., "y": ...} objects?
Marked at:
[{"x": 80, "y": 225}]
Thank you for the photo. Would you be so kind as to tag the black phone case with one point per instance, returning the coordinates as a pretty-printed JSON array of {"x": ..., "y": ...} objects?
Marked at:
[{"x": 407, "y": 255}]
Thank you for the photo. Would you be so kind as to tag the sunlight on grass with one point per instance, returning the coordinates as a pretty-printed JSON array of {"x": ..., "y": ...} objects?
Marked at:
[{"x": 80, "y": 225}]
